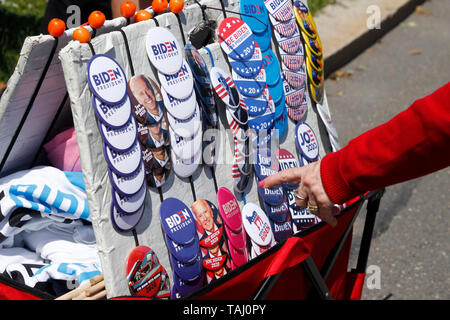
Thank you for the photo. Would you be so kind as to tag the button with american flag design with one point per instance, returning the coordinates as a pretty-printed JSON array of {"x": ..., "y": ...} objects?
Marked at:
[
  {"x": 224, "y": 87},
  {"x": 289, "y": 44},
  {"x": 285, "y": 28},
  {"x": 293, "y": 97},
  {"x": 236, "y": 38},
  {"x": 250, "y": 87},
  {"x": 293, "y": 61},
  {"x": 281, "y": 10},
  {"x": 250, "y": 67}
]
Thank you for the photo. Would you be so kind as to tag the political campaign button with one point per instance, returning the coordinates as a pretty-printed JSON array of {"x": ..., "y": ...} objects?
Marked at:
[
  {"x": 277, "y": 92},
  {"x": 187, "y": 271},
  {"x": 277, "y": 213},
  {"x": 265, "y": 163},
  {"x": 121, "y": 139},
  {"x": 256, "y": 224},
  {"x": 215, "y": 259},
  {"x": 184, "y": 253},
  {"x": 185, "y": 168},
  {"x": 293, "y": 97},
  {"x": 177, "y": 221},
  {"x": 285, "y": 28},
  {"x": 301, "y": 217},
  {"x": 316, "y": 78},
  {"x": 128, "y": 185},
  {"x": 264, "y": 39},
  {"x": 314, "y": 45},
  {"x": 273, "y": 196},
  {"x": 281, "y": 124},
  {"x": 106, "y": 79},
  {"x": 204, "y": 93},
  {"x": 281, "y": 230},
  {"x": 224, "y": 87},
  {"x": 143, "y": 272},
  {"x": 240, "y": 115},
  {"x": 181, "y": 109},
  {"x": 238, "y": 132},
  {"x": 289, "y": 44},
  {"x": 293, "y": 61},
  {"x": 209, "y": 223},
  {"x": 164, "y": 288},
  {"x": 315, "y": 61},
  {"x": 183, "y": 288},
  {"x": 123, "y": 163},
  {"x": 236, "y": 38},
  {"x": 113, "y": 116},
  {"x": 250, "y": 87},
  {"x": 248, "y": 68},
  {"x": 185, "y": 148},
  {"x": 238, "y": 258},
  {"x": 316, "y": 92},
  {"x": 229, "y": 209},
  {"x": 305, "y": 19},
  {"x": 125, "y": 222},
  {"x": 280, "y": 106},
  {"x": 186, "y": 128},
  {"x": 298, "y": 113},
  {"x": 197, "y": 64},
  {"x": 237, "y": 239},
  {"x": 254, "y": 13},
  {"x": 281, "y": 10},
  {"x": 306, "y": 141},
  {"x": 163, "y": 50},
  {"x": 295, "y": 78},
  {"x": 264, "y": 121},
  {"x": 287, "y": 161},
  {"x": 272, "y": 67},
  {"x": 256, "y": 106},
  {"x": 129, "y": 204},
  {"x": 180, "y": 84}
]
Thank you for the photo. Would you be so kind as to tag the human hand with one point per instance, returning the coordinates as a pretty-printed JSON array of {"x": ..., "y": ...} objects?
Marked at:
[{"x": 310, "y": 193}]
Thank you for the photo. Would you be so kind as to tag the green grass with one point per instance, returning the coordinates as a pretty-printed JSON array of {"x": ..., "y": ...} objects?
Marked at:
[
  {"x": 316, "y": 5},
  {"x": 18, "y": 19}
]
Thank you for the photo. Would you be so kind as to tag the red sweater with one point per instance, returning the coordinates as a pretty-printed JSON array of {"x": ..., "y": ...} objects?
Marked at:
[{"x": 414, "y": 143}]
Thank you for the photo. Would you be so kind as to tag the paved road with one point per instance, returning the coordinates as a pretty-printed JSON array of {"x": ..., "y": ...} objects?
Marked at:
[{"x": 411, "y": 244}]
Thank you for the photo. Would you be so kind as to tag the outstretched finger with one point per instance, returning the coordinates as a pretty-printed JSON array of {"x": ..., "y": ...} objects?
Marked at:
[{"x": 284, "y": 176}]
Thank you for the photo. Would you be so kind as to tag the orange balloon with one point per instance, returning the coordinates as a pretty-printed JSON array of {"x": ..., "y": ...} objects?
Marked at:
[
  {"x": 159, "y": 6},
  {"x": 176, "y": 6},
  {"x": 127, "y": 9},
  {"x": 142, "y": 15},
  {"x": 56, "y": 27},
  {"x": 96, "y": 19},
  {"x": 81, "y": 34}
]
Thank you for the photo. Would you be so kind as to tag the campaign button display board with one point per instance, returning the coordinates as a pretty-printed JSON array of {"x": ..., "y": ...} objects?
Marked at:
[
  {"x": 281, "y": 10},
  {"x": 125, "y": 222},
  {"x": 250, "y": 87},
  {"x": 229, "y": 209},
  {"x": 287, "y": 160},
  {"x": 250, "y": 67},
  {"x": 180, "y": 84},
  {"x": 236, "y": 38},
  {"x": 256, "y": 224},
  {"x": 113, "y": 116},
  {"x": 128, "y": 185},
  {"x": 187, "y": 271},
  {"x": 285, "y": 28},
  {"x": 254, "y": 13},
  {"x": 164, "y": 51},
  {"x": 123, "y": 163},
  {"x": 177, "y": 221},
  {"x": 106, "y": 79},
  {"x": 143, "y": 271},
  {"x": 306, "y": 141},
  {"x": 224, "y": 87},
  {"x": 120, "y": 139},
  {"x": 129, "y": 204},
  {"x": 183, "y": 253},
  {"x": 272, "y": 67}
]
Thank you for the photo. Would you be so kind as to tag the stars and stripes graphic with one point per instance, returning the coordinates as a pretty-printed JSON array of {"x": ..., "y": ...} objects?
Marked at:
[
  {"x": 285, "y": 29},
  {"x": 279, "y": 9},
  {"x": 294, "y": 97},
  {"x": 295, "y": 78},
  {"x": 293, "y": 62}
]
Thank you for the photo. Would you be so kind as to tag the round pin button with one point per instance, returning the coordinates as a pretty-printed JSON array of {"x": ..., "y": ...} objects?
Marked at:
[
  {"x": 128, "y": 185},
  {"x": 278, "y": 213},
  {"x": 272, "y": 67},
  {"x": 306, "y": 141},
  {"x": 185, "y": 148},
  {"x": 184, "y": 253},
  {"x": 125, "y": 222},
  {"x": 293, "y": 97},
  {"x": 187, "y": 271},
  {"x": 250, "y": 87},
  {"x": 280, "y": 106},
  {"x": 276, "y": 92},
  {"x": 180, "y": 84},
  {"x": 281, "y": 124},
  {"x": 121, "y": 139},
  {"x": 289, "y": 44},
  {"x": 197, "y": 64},
  {"x": 285, "y": 28},
  {"x": 273, "y": 196},
  {"x": 129, "y": 204},
  {"x": 114, "y": 116},
  {"x": 186, "y": 128},
  {"x": 254, "y": 13},
  {"x": 143, "y": 271},
  {"x": 295, "y": 78},
  {"x": 281, "y": 10},
  {"x": 183, "y": 288},
  {"x": 179, "y": 108},
  {"x": 256, "y": 106},
  {"x": 293, "y": 61},
  {"x": 305, "y": 19},
  {"x": 237, "y": 257},
  {"x": 298, "y": 113},
  {"x": 164, "y": 50},
  {"x": 123, "y": 163},
  {"x": 287, "y": 161},
  {"x": 265, "y": 163},
  {"x": 185, "y": 168},
  {"x": 248, "y": 68},
  {"x": 177, "y": 221},
  {"x": 282, "y": 230},
  {"x": 256, "y": 224},
  {"x": 263, "y": 39},
  {"x": 264, "y": 121},
  {"x": 236, "y": 38},
  {"x": 238, "y": 132},
  {"x": 106, "y": 79},
  {"x": 229, "y": 209},
  {"x": 225, "y": 87}
]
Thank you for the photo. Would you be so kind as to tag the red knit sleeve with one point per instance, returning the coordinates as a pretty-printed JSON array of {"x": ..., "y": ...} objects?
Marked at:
[{"x": 414, "y": 143}]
